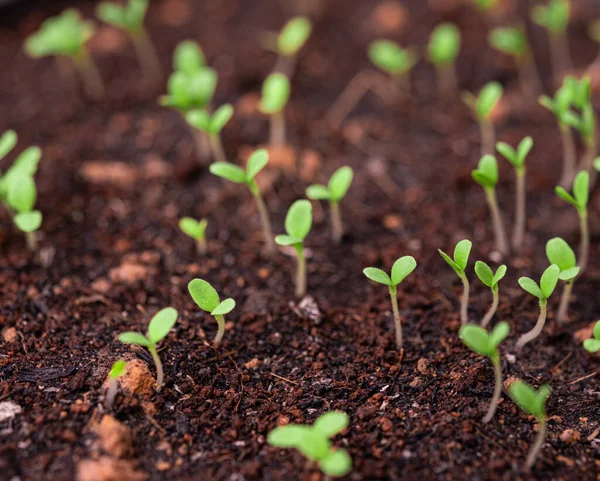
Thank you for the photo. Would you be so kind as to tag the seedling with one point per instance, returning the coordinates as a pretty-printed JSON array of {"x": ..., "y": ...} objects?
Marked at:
[
  {"x": 485, "y": 4},
  {"x": 257, "y": 161},
  {"x": 579, "y": 200},
  {"x": 480, "y": 341},
  {"x": 459, "y": 264},
  {"x": 490, "y": 279},
  {"x": 130, "y": 19},
  {"x": 275, "y": 94},
  {"x": 65, "y": 36},
  {"x": 207, "y": 299},
  {"x": 597, "y": 164},
  {"x": 561, "y": 254},
  {"x": 542, "y": 291},
  {"x": 400, "y": 270},
  {"x": 593, "y": 345},
  {"x": 212, "y": 126},
  {"x": 196, "y": 230},
  {"x": 117, "y": 370},
  {"x": 394, "y": 60},
  {"x": 533, "y": 403},
  {"x": 555, "y": 18},
  {"x": 298, "y": 223},
  {"x": 314, "y": 442},
  {"x": 482, "y": 107},
  {"x": 486, "y": 176},
  {"x": 8, "y": 140},
  {"x": 443, "y": 49},
  {"x": 160, "y": 325},
  {"x": 334, "y": 192},
  {"x": 287, "y": 44},
  {"x": 517, "y": 158}
]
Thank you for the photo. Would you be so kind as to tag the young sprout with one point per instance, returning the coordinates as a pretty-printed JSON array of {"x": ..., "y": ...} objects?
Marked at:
[
  {"x": 517, "y": 158},
  {"x": 560, "y": 253},
  {"x": 533, "y": 403},
  {"x": 207, "y": 299},
  {"x": 160, "y": 325},
  {"x": 66, "y": 35},
  {"x": 287, "y": 44},
  {"x": 8, "y": 140},
  {"x": 117, "y": 370},
  {"x": 298, "y": 223},
  {"x": 593, "y": 345},
  {"x": 482, "y": 107},
  {"x": 480, "y": 341},
  {"x": 488, "y": 278},
  {"x": 212, "y": 125},
  {"x": 130, "y": 19},
  {"x": 393, "y": 60},
  {"x": 485, "y": 4},
  {"x": 400, "y": 270},
  {"x": 555, "y": 18},
  {"x": 542, "y": 291},
  {"x": 314, "y": 442},
  {"x": 597, "y": 164},
  {"x": 334, "y": 192},
  {"x": 486, "y": 176},
  {"x": 196, "y": 230},
  {"x": 443, "y": 49},
  {"x": 275, "y": 94},
  {"x": 257, "y": 161},
  {"x": 579, "y": 200},
  {"x": 459, "y": 264}
]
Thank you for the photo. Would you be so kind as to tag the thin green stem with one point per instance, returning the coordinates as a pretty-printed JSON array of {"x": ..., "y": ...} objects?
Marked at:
[
  {"x": 337, "y": 228},
  {"x": 492, "y": 310},
  {"x": 277, "y": 138},
  {"x": 160, "y": 377},
  {"x": 217, "y": 148},
  {"x": 300, "y": 272},
  {"x": 584, "y": 243},
  {"x": 565, "y": 300},
  {"x": 220, "y": 330},
  {"x": 488, "y": 137},
  {"x": 537, "y": 446},
  {"x": 397, "y": 320},
  {"x": 497, "y": 389},
  {"x": 569, "y": 155},
  {"x": 464, "y": 300},
  {"x": 520, "y": 208},
  {"x": 537, "y": 329},
  {"x": 264, "y": 220},
  {"x": 90, "y": 75},
  {"x": 498, "y": 224}
]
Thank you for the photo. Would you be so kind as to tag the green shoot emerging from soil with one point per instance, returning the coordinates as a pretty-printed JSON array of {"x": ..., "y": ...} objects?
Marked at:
[
  {"x": 314, "y": 442},
  {"x": 482, "y": 107},
  {"x": 66, "y": 35},
  {"x": 442, "y": 51},
  {"x": 394, "y": 60},
  {"x": 207, "y": 299},
  {"x": 400, "y": 270},
  {"x": 593, "y": 345},
  {"x": 275, "y": 94},
  {"x": 459, "y": 264},
  {"x": 196, "y": 230},
  {"x": 257, "y": 161},
  {"x": 517, "y": 159},
  {"x": 480, "y": 341},
  {"x": 212, "y": 126},
  {"x": 555, "y": 18},
  {"x": 486, "y": 176},
  {"x": 334, "y": 192},
  {"x": 561, "y": 254},
  {"x": 117, "y": 370},
  {"x": 533, "y": 403},
  {"x": 160, "y": 325},
  {"x": 298, "y": 223},
  {"x": 542, "y": 291},
  {"x": 488, "y": 278}
]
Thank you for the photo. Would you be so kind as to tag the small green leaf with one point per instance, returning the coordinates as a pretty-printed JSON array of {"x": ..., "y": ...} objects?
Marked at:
[
  {"x": 293, "y": 36},
  {"x": 499, "y": 333},
  {"x": 523, "y": 150},
  {"x": 509, "y": 40},
  {"x": 531, "y": 286},
  {"x": 500, "y": 273},
  {"x": 204, "y": 295},
  {"x": 485, "y": 274},
  {"x": 117, "y": 370},
  {"x": 339, "y": 183},
  {"x": 27, "y": 161},
  {"x": 591, "y": 345},
  {"x": 377, "y": 275},
  {"x": 597, "y": 330},
  {"x": 459, "y": 270},
  {"x": 444, "y": 44},
  {"x": 508, "y": 153},
  {"x": 193, "y": 228},
  {"x": 289, "y": 436},
  {"x": 569, "y": 274},
  {"x": 564, "y": 195},
  {"x": 257, "y": 162},
  {"x": 314, "y": 445},
  {"x": 486, "y": 174},
  {"x": 596, "y": 163},
  {"x": 488, "y": 98},
  {"x": 22, "y": 193},
  {"x": 28, "y": 221},
  {"x": 8, "y": 140},
  {"x": 200, "y": 119},
  {"x": 111, "y": 13},
  {"x": 220, "y": 118},
  {"x": 298, "y": 220},
  {"x": 228, "y": 171},
  {"x": 549, "y": 280},
  {"x": 560, "y": 253},
  {"x": 275, "y": 93},
  {"x": 402, "y": 268},
  {"x": 331, "y": 423},
  {"x": 336, "y": 463},
  {"x": 287, "y": 240},
  {"x": 391, "y": 58},
  {"x": 528, "y": 399},
  {"x": 581, "y": 186},
  {"x": 318, "y": 192},
  {"x": 462, "y": 252},
  {"x": 554, "y": 17},
  {"x": 188, "y": 57},
  {"x": 477, "y": 339},
  {"x": 224, "y": 307},
  {"x": 160, "y": 325},
  {"x": 133, "y": 338}
]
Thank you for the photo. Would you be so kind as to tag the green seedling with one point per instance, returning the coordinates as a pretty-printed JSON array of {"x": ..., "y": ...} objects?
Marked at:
[
  {"x": 207, "y": 299},
  {"x": 400, "y": 270},
  {"x": 481, "y": 342},
  {"x": 490, "y": 279},
  {"x": 597, "y": 164},
  {"x": 555, "y": 18},
  {"x": 442, "y": 51},
  {"x": 459, "y": 263},
  {"x": 130, "y": 19},
  {"x": 579, "y": 200},
  {"x": 483, "y": 107},
  {"x": 533, "y": 403},
  {"x": 117, "y": 370},
  {"x": 334, "y": 192},
  {"x": 485, "y": 5},
  {"x": 8, "y": 140},
  {"x": 257, "y": 161},
  {"x": 293, "y": 36},
  {"x": 160, "y": 325},
  {"x": 314, "y": 442},
  {"x": 196, "y": 230},
  {"x": 542, "y": 291},
  {"x": 593, "y": 345},
  {"x": 394, "y": 60},
  {"x": 275, "y": 95},
  {"x": 298, "y": 223},
  {"x": 486, "y": 175},
  {"x": 212, "y": 125},
  {"x": 560, "y": 253},
  {"x": 66, "y": 35},
  {"x": 517, "y": 158}
]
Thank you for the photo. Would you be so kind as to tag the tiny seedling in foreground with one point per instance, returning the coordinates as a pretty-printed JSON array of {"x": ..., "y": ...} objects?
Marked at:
[
  {"x": 555, "y": 18},
  {"x": 334, "y": 192},
  {"x": 196, "y": 230},
  {"x": 160, "y": 325},
  {"x": 561, "y": 254},
  {"x": 480, "y": 341},
  {"x": 491, "y": 280},
  {"x": 394, "y": 60},
  {"x": 534, "y": 404},
  {"x": 117, "y": 370},
  {"x": 212, "y": 126},
  {"x": 593, "y": 345},
  {"x": 443, "y": 49},
  {"x": 459, "y": 263},
  {"x": 298, "y": 223},
  {"x": 542, "y": 291},
  {"x": 207, "y": 299},
  {"x": 257, "y": 161},
  {"x": 483, "y": 107},
  {"x": 486, "y": 176},
  {"x": 314, "y": 442},
  {"x": 400, "y": 271},
  {"x": 275, "y": 94}
]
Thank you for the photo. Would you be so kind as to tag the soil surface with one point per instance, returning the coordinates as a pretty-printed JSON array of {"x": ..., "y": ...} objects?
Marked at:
[{"x": 117, "y": 175}]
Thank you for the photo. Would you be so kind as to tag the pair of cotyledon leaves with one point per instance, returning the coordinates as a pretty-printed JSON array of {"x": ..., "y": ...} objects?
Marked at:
[
  {"x": 483, "y": 342},
  {"x": 193, "y": 228},
  {"x": 158, "y": 328},
  {"x": 128, "y": 17},
  {"x": 298, "y": 223},
  {"x": 529, "y": 400},
  {"x": 581, "y": 186},
  {"x": 211, "y": 124},
  {"x": 400, "y": 270},
  {"x": 484, "y": 104},
  {"x": 207, "y": 298},
  {"x": 336, "y": 189}
]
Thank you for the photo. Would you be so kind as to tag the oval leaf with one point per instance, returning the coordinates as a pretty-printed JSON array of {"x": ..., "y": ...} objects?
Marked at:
[
  {"x": 8, "y": 140},
  {"x": 402, "y": 268},
  {"x": 257, "y": 162},
  {"x": 228, "y": 171},
  {"x": 560, "y": 253},
  {"x": 336, "y": 463},
  {"x": 224, "y": 307},
  {"x": 377, "y": 275},
  {"x": 549, "y": 280},
  {"x": 133, "y": 338},
  {"x": 339, "y": 183},
  {"x": 160, "y": 325},
  {"x": 477, "y": 339},
  {"x": 298, "y": 220},
  {"x": 332, "y": 423},
  {"x": 28, "y": 221},
  {"x": 531, "y": 286},
  {"x": 204, "y": 295},
  {"x": 289, "y": 436},
  {"x": 318, "y": 192},
  {"x": 485, "y": 274}
]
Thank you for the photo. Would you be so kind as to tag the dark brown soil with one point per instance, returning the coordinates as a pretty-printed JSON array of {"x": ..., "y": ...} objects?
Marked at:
[{"x": 418, "y": 417}]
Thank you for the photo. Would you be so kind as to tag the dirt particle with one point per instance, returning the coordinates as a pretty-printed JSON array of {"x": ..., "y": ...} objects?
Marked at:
[
  {"x": 390, "y": 16},
  {"x": 101, "y": 285},
  {"x": 253, "y": 364},
  {"x": 10, "y": 335},
  {"x": 137, "y": 379},
  {"x": 104, "y": 172},
  {"x": 79, "y": 407},
  {"x": 310, "y": 163},
  {"x": 163, "y": 466},
  {"x": 128, "y": 272},
  {"x": 424, "y": 367},
  {"x": 108, "y": 469},
  {"x": 385, "y": 424},
  {"x": 115, "y": 437},
  {"x": 9, "y": 410},
  {"x": 393, "y": 222},
  {"x": 570, "y": 436}
]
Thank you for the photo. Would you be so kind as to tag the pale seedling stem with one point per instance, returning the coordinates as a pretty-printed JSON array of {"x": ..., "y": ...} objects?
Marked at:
[
  {"x": 519, "y": 227},
  {"x": 217, "y": 148},
  {"x": 497, "y": 390},
  {"x": 160, "y": 376},
  {"x": 300, "y": 271},
  {"x": 264, "y": 220},
  {"x": 569, "y": 155},
  {"x": 464, "y": 300},
  {"x": 277, "y": 135},
  {"x": 499, "y": 231},
  {"x": 584, "y": 246},
  {"x": 537, "y": 446},
  {"x": 147, "y": 53},
  {"x": 90, "y": 75},
  {"x": 220, "y": 329},
  {"x": 488, "y": 137},
  {"x": 493, "y": 308},
  {"x": 336, "y": 222},
  {"x": 397, "y": 321},
  {"x": 111, "y": 393},
  {"x": 31, "y": 242},
  {"x": 565, "y": 300},
  {"x": 537, "y": 329}
]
